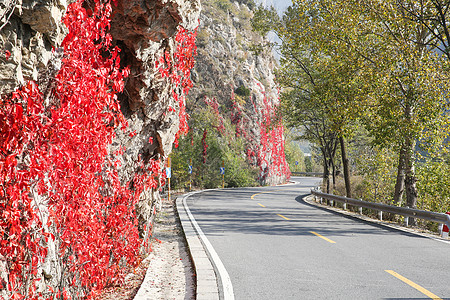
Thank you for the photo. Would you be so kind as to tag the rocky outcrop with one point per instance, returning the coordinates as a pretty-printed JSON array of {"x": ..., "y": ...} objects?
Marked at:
[
  {"x": 145, "y": 31},
  {"x": 233, "y": 67}
]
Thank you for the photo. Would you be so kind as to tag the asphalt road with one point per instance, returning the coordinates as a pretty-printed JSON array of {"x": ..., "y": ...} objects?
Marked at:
[{"x": 275, "y": 246}]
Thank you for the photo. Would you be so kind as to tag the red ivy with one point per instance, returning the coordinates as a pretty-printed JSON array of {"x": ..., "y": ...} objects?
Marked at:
[
  {"x": 59, "y": 153},
  {"x": 205, "y": 146},
  {"x": 178, "y": 70},
  {"x": 270, "y": 155},
  {"x": 268, "y": 151},
  {"x": 214, "y": 105}
]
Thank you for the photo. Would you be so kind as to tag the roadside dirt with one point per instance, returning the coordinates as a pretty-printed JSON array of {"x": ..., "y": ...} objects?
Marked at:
[{"x": 166, "y": 273}]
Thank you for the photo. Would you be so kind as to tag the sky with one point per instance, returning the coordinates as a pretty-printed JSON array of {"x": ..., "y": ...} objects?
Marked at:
[{"x": 280, "y": 5}]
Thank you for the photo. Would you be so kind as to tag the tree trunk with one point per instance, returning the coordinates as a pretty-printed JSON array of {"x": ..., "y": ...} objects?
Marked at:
[
  {"x": 333, "y": 170},
  {"x": 410, "y": 178},
  {"x": 326, "y": 176},
  {"x": 345, "y": 165},
  {"x": 400, "y": 183},
  {"x": 326, "y": 172}
]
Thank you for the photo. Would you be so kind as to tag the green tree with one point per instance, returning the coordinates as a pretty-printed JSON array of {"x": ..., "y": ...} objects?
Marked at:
[
  {"x": 294, "y": 154},
  {"x": 407, "y": 92},
  {"x": 320, "y": 77},
  {"x": 223, "y": 146},
  {"x": 364, "y": 60}
]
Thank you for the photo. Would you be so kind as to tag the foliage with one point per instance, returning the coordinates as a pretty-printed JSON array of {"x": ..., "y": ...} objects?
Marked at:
[
  {"x": 242, "y": 91},
  {"x": 203, "y": 37},
  {"x": 294, "y": 155},
  {"x": 265, "y": 20},
  {"x": 224, "y": 5},
  {"x": 211, "y": 142},
  {"x": 434, "y": 15},
  {"x": 432, "y": 173},
  {"x": 434, "y": 185},
  {"x": 377, "y": 167}
]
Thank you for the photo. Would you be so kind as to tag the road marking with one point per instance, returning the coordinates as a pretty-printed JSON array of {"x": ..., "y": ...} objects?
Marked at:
[
  {"x": 273, "y": 191},
  {"x": 283, "y": 217},
  {"x": 261, "y": 205},
  {"x": 414, "y": 285},
  {"x": 322, "y": 237},
  {"x": 253, "y": 196}
]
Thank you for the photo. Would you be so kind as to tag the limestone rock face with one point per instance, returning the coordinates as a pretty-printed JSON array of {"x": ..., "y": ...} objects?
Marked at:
[
  {"x": 30, "y": 28},
  {"x": 230, "y": 61}
]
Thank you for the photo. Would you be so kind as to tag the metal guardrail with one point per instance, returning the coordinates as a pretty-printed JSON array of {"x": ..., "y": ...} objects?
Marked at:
[
  {"x": 404, "y": 211},
  {"x": 307, "y": 174}
]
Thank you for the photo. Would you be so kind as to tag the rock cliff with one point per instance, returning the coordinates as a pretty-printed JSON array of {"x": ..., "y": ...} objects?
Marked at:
[{"x": 233, "y": 68}]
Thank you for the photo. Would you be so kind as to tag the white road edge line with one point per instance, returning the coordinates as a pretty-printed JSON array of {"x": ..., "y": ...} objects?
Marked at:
[{"x": 224, "y": 277}]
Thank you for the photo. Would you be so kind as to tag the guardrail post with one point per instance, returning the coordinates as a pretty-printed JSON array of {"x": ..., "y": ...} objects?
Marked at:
[
  {"x": 444, "y": 232},
  {"x": 380, "y": 215},
  {"x": 360, "y": 210},
  {"x": 406, "y": 221},
  {"x": 445, "y": 229}
]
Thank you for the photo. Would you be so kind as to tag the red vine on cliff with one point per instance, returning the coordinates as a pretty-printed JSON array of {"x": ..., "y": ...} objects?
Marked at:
[
  {"x": 271, "y": 156},
  {"x": 268, "y": 151},
  {"x": 179, "y": 73},
  {"x": 204, "y": 146},
  {"x": 58, "y": 182}
]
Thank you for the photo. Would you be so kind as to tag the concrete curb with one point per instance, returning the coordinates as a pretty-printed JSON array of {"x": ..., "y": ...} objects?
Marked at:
[
  {"x": 207, "y": 287},
  {"x": 213, "y": 282},
  {"x": 309, "y": 199}
]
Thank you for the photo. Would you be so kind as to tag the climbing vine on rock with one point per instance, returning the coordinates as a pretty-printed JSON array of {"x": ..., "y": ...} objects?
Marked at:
[
  {"x": 271, "y": 153},
  {"x": 204, "y": 146},
  {"x": 267, "y": 150},
  {"x": 179, "y": 73},
  {"x": 59, "y": 185}
]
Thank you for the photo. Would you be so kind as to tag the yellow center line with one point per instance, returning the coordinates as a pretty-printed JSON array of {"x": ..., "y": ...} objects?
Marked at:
[
  {"x": 273, "y": 191},
  {"x": 283, "y": 217},
  {"x": 414, "y": 285},
  {"x": 253, "y": 196},
  {"x": 322, "y": 237},
  {"x": 261, "y": 205}
]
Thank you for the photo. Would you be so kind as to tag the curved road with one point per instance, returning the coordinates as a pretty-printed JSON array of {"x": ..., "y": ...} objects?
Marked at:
[{"x": 275, "y": 246}]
